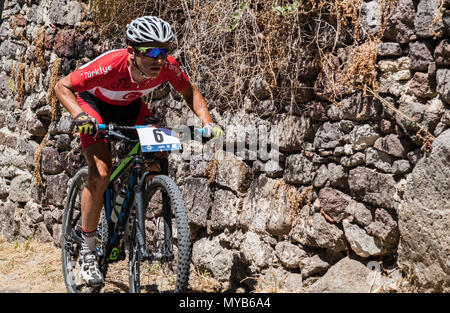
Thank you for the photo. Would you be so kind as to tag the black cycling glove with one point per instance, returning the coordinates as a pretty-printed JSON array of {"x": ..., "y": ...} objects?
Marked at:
[{"x": 85, "y": 124}]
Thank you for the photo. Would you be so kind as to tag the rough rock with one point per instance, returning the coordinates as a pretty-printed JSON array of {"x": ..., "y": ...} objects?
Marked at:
[
  {"x": 400, "y": 26},
  {"x": 8, "y": 226},
  {"x": 57, "y": 231},
  {"x": 427, "y": 12},
  {"x": 289, "y": 254},
  {"x": 299, "y": 91},
  {"x": 210, "y": 255},
  {"x": 267, "y": 108},
  {"x": 225, "y": 210},
  {"x": 395, "y": 74},
  {"x": 54, "y": 193},
  {"x": 359, "y": 213},
  {"x": 232, "y": 172},
  {"x": 243, "y": 129},
  {"x": 442, "y": 53},
  {"x": 256, "y": 252},
  {"x": 443, "y": 84},
  {"x": 356, "y": 159},
  {"x": 51, "y": 161},
  {"x": 385, "y": 228},
  {"x": 317, "y": 111},
  {"x": 372, "y": 187},
  {"x": 63, "y": 12},
  {"x": 20, "y": 188},
  {"x": 424, "y": 220},
  {"x": 362, "y": 137},
  {"x": 371, "y": 17},
  {"x": 334, "y": 203},
  {"x": 42, "y": 233},
  {"x": 299, "y": 170},
  {"x": 198, "y": 200},
  {"x": 279, "y": 280},
  {"x": 328, "y": 136},
  {"x": 314, "y": 265},
  {"x": 421, "y": 55},
  {"x": 401, "y": 167},
  {"x": 321, "y": 177},
  {"x": 10, "y": 49},
  {"x": 260, "y": 88},
  {"x": 346, "y": 276},
  {"x": 425, "y": 115},
  {"x": 389, "y": 49},
  {"x": 288, "y": 132},
  {"x": 421, "y": 86},
  {"x": 355, "y": 108},
  {"x": 267, "y": 206},
  {"x": 337, "y": 176},
  {"x": 361, "y": 243},
  {"x": 315, "y": 231},
  {"x": 392, "y": 145}
]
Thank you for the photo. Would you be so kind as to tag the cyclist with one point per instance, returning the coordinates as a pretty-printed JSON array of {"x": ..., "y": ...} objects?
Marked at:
[{"x": 110, "y": 89}]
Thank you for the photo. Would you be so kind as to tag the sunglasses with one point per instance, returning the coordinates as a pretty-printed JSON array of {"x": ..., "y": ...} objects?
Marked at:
[{"x": 154, "y": 52}]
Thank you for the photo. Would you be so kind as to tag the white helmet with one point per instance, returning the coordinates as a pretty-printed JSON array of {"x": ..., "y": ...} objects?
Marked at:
[{"x": 149, "y": 28}]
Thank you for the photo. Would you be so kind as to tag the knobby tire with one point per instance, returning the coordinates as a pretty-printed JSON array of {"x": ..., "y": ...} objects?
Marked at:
[{"x": 178, "y": 210}]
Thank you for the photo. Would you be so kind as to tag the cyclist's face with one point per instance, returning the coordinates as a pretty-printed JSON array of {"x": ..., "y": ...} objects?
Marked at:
[{"x": 151, "y": 66}]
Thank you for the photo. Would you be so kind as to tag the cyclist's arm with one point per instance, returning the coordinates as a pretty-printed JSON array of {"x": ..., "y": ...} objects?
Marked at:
[
  {"x": 196, "y": 103},
  {"x": 66, "y": 95}
]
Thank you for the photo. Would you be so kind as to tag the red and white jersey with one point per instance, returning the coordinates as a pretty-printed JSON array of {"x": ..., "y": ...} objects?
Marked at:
[{"x": 108, "y": 78}]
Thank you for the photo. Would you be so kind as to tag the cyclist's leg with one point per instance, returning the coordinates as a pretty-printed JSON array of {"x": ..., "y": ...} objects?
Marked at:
[{"x": 98, "y": 158}]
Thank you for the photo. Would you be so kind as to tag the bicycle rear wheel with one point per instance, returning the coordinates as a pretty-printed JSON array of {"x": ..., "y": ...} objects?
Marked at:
[
  {"x": 71, "y": 235},
  {"x": 167, "y": 236}
]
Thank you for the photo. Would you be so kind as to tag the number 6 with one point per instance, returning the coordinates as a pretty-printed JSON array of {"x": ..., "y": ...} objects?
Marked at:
[{"x": 158, "y": 135}]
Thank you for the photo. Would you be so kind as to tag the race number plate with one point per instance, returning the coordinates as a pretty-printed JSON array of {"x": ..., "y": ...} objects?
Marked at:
[{"x": 155, "y": 139}]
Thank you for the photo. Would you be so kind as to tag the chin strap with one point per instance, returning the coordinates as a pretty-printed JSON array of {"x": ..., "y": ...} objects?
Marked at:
[{"x": 140, "y": 71}]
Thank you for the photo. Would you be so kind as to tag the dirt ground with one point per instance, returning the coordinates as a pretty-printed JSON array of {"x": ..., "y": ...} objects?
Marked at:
[{"x": 35, "y": 267}]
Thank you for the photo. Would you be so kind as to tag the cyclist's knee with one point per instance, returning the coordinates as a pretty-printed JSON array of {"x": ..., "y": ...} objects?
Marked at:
[
  {"x": 100, "y": 174},
  {"x": 98, "y": 179}
]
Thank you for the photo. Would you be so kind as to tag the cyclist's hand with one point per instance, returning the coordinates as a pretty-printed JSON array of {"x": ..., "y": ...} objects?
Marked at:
[
  {"x": 85, "y": 124},
  {"x": 213, "y": 130}
]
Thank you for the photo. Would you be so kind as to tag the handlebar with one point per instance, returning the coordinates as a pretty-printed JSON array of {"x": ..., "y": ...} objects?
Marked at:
[{"x": 111, "y": 131}]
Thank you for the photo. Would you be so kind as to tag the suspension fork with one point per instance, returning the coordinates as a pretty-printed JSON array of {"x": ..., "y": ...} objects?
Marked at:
[{"x": 140, "y": 216}]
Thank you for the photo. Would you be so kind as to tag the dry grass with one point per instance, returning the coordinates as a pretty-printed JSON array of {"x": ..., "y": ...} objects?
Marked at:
[
  {"x": 225, "y": 44},
  {"x": 56, "y": 112},
  {"x": 39, "y": 44},
  {"x": 211, "y": 171}
]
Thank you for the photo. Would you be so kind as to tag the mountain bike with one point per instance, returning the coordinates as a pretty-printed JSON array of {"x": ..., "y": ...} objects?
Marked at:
[{"x": 152, "y": 216}]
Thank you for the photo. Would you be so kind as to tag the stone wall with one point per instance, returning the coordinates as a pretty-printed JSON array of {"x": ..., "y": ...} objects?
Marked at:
[{"x": 325, "y": 192}]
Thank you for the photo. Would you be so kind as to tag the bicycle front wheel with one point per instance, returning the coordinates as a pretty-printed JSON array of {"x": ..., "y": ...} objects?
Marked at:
[
  {"x": 166, "y": 236},
  {"x": 71, "y": 235}
]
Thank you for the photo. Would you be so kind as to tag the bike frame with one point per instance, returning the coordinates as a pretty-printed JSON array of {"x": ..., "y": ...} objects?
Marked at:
[{"x": 134, "y": 193}]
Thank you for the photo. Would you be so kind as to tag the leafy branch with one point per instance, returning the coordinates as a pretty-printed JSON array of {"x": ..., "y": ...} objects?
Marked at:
[{"x": 286, "y": 9}]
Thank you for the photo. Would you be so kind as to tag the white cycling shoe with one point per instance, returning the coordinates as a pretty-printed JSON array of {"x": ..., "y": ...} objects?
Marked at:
[{"x": 89, "y": 270}]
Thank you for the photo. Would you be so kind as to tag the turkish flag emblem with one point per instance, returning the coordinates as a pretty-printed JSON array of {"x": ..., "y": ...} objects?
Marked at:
[{"x": 132, "y": 95}]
